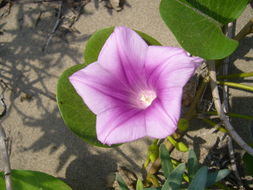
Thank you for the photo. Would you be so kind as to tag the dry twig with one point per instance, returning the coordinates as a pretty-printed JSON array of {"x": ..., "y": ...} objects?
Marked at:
[
  {"x": 233, "y": 162},
  {"x": 57, "y": 23},
  {"x": 247, "y": 29},
  {"x": 4, "y": 142},
  {"x": 220, "y": 111},
  {"x": 230, "y": 33},
  {"x": 79, "y": 12},
  {"x": 6, "y": 161}
]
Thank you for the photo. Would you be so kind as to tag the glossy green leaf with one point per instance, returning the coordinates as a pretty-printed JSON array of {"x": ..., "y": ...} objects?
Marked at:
[
  {"x": 33, "y": 180},
  {"x": 121, "y": 182},
  {"x": 248, "y": 163},
  {"x": 199, "y": 180},
  {"x": 197, "y": 24},
  {"x": 174, "y": 180},
  {"x": 214, "y": 177},
  {"x": 74, "y": 112},
  {"x": 139, "y": 185},
  {"x": 166, "y": 163},
  {"x": 193, "y": 164},
  {"x": 153, "y": 188}
]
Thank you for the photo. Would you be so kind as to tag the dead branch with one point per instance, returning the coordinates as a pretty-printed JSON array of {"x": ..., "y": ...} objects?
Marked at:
[
  {"x": 230, "y": 33},
  {"x": 6, "y": 161},
  {"x": 233, "y": 162},
  {"x": 247, "y": 29},
  {"x": 220, "y": 111},
  {"x": 56, "y": 25}
]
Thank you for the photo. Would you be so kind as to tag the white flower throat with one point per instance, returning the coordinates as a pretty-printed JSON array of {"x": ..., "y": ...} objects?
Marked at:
[{"x": 146, "y": 98}]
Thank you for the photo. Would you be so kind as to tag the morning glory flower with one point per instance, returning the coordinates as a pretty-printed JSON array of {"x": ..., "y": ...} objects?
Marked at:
[{"x": 134, "y": 89}]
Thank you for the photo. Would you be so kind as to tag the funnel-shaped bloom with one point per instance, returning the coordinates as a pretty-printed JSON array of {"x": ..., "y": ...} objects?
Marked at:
[{"x": 134, "y": 89}]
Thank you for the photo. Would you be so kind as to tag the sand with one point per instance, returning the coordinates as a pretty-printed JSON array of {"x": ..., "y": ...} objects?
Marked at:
[{"x": 40, "y": 140}]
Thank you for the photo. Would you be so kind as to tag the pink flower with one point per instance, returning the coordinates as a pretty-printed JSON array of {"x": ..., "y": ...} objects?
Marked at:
[{"x": 134, "y": 89}]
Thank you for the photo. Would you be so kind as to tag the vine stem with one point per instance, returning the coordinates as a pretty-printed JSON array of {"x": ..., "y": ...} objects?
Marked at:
[
  {"x": 236, "y": 75},
  {"x": 236, "y": 85},
  {"x": 6, "y": 161},
  {"x": 220, "y": 111}
]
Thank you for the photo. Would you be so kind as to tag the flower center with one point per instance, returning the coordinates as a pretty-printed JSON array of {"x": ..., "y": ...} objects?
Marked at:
[{"x": 146, "y": 98}]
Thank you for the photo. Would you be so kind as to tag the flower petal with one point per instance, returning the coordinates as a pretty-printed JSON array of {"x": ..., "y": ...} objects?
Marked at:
[
  {"x": 127, "y": 68},
  {"x": 124, "y": 55},
  {"x": 169, "y": 66},
  {"x": 171, "y": 100},
  {"x": 98, "y": 88},
  {"x": 160, "y": 121},
  {"x": 120, "y": 125}
]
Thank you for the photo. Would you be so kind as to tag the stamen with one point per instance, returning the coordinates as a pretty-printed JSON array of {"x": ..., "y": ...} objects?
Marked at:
[{"x": 146, "y": 98}]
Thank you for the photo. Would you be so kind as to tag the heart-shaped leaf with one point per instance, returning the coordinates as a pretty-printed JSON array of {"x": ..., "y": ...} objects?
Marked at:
[
  {"x": 33, "y": 180},
  {"x": 197, "y": 24},
  {"x": 74, "y": 112}
]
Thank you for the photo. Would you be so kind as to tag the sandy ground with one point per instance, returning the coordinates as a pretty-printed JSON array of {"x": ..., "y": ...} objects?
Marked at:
[{"x": 40, "y": 140}]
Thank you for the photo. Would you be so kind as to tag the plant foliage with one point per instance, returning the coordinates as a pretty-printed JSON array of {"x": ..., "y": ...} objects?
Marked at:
[
  {"x": 199, "y": 176},
  {"x": 197, "y": 24}
]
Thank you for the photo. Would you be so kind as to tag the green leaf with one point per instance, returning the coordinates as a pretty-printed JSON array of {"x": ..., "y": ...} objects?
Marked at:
[
  {"x": 192, "y": 164},
  {"x": 248, "y": 163},
  {"x": 33, "y": 180},
  {"x": 166, "y": 163},
  {"x": 74, "y": 112},
  {"x": 139, "y": 185},
  {"x": 153, "y": 188},
  {"x": 121, "y": 182},
  {"x": 214, "y": 177},
  {"x": 175, "y": 178},
  {"x": 197, "y": 24},
  {"x": 199, "y": 181}
]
